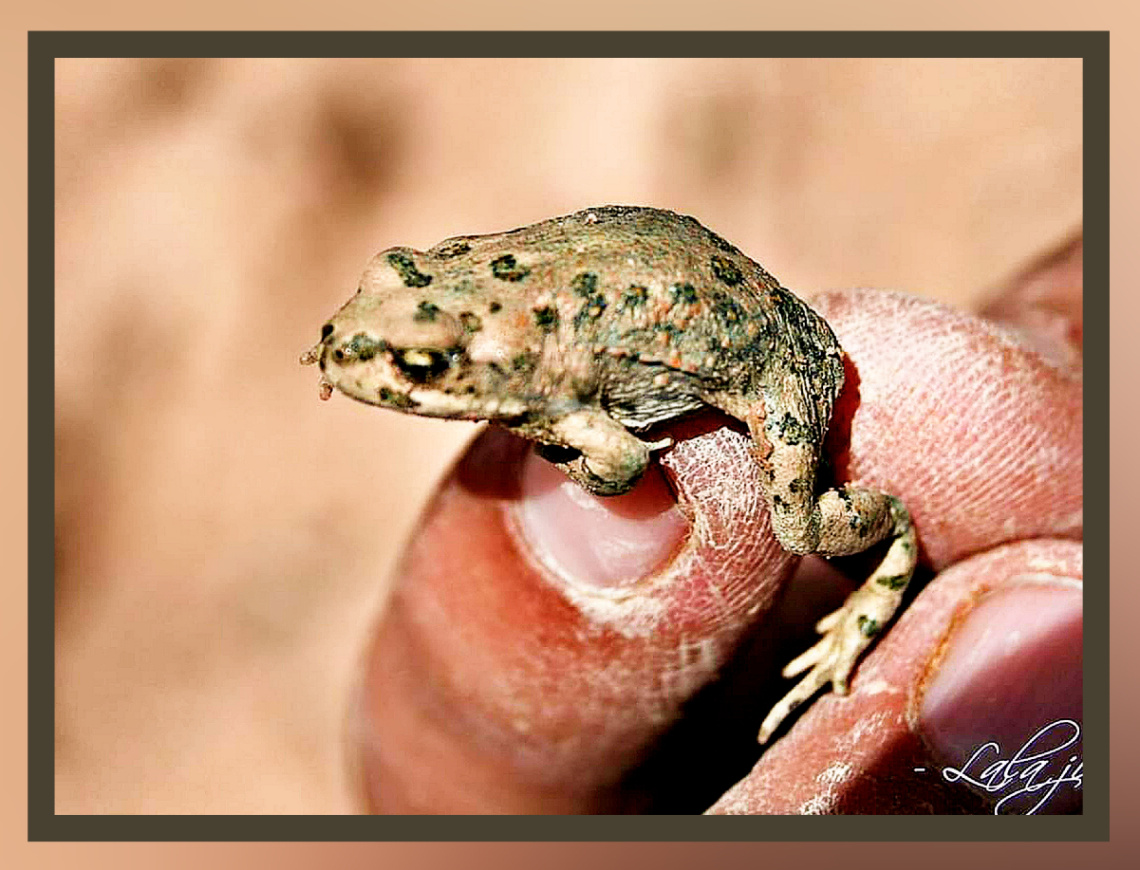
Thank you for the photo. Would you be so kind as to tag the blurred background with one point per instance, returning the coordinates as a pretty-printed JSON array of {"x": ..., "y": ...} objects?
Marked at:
[{"x": 216, "y": 577}]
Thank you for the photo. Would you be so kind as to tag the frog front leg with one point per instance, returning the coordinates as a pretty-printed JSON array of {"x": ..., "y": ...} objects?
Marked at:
[
  {"x": 608, "y": 459},
  {"x": 839, "y": 522}
]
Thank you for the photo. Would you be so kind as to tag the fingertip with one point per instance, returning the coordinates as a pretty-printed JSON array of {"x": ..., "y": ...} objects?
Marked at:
[
  {"x": 1008, "y": 684},
  {"x": 593, "y": 541},
  {"x": 539, "y": 640},
  {"x": 1041, "y": 304},
  {"x": 839, "y": 754}
]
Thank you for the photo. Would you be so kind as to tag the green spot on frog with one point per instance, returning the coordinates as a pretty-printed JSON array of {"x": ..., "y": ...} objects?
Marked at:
[
  {"x": 585, "y": 284},
  {"x": 894, "y": 581},
  {"x": 791, "y": 431},
  {"x": 634, "y": 297},
  {"x": 546, "y": 318},
  {"x": 726, "y": 271},
  {"x": 405, "y": 267},
  {"x": 506, "y": 268},
  {"x": 426, "y": 311},
  {"x": 362, "y": 347},
  {"x": 685, "y": 293},
  {"x": 396, "y": 400},
  {"x": 728, "y": 310}
]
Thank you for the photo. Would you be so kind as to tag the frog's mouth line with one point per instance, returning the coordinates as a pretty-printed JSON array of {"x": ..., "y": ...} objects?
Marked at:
[
  {"x": 355, "y": 375},
  {"x": 406, "y": 378}
]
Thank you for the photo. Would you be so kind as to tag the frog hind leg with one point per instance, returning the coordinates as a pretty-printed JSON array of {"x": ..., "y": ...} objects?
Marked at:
[{"x": 839, "y": 522}]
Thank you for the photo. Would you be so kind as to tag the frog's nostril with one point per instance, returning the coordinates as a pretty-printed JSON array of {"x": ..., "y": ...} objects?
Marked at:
[{"x": 326, "y": 331}]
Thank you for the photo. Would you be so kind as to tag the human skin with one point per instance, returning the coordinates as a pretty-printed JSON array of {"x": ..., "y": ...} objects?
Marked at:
[{"x": 518, "y": 669}]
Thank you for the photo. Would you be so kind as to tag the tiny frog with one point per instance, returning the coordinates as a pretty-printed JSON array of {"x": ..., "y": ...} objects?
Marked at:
[{"x": 580, "y": 331}]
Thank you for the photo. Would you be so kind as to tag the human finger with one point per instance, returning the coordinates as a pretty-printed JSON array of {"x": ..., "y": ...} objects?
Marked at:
[
  {"x": 994, "y": 457},
  {"x": 540, "y": 639},
  {"x": 971, "y": 703}
]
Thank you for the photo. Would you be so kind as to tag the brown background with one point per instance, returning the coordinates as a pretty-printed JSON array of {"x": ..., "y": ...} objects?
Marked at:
[{"x": 962, "y": 254}]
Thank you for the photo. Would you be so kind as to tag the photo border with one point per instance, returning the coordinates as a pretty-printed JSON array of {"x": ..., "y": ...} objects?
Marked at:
[{"x": 45, "y": 47}]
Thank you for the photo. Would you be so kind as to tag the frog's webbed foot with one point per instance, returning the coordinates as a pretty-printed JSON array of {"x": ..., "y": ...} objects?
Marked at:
[
  {"x": 848, "y": 631},
  {"x": 598, "y": 453}
]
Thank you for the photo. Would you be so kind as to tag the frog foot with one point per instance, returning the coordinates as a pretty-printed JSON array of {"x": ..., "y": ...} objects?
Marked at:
[{"x": 846, "y": 633}]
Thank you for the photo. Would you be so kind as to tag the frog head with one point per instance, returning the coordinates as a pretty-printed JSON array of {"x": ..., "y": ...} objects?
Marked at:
[{"x": 399, "y": 344}]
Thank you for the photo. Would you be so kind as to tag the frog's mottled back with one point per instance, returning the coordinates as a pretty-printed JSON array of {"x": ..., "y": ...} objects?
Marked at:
[{"x": 641, "y": 311}]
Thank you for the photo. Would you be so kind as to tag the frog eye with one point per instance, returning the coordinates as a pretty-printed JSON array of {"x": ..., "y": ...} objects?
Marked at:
[{"x": 420, "y": 364}]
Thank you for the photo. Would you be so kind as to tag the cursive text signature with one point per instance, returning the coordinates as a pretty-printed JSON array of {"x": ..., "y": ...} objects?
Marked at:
[{"x": 1027, "y": 779}]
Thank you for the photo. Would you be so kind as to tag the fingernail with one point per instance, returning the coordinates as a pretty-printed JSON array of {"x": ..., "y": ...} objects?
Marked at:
[
  {"x": 604, "y": 542},
  {"x": 1009, "y": 686}
]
